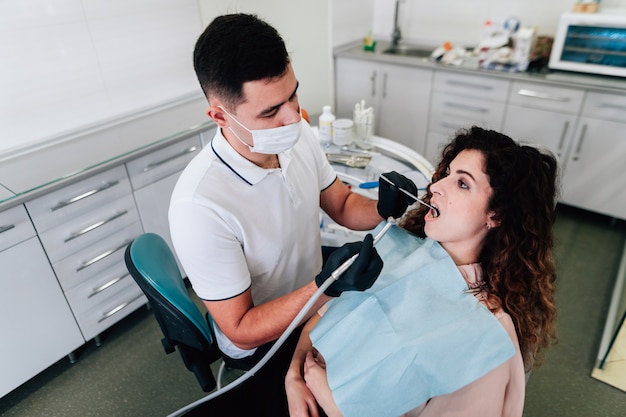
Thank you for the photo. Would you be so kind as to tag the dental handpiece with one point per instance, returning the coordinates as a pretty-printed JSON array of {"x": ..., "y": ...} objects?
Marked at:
[
  {"x": 344, "y": 266},
  {"x": 414, "y": 197}
]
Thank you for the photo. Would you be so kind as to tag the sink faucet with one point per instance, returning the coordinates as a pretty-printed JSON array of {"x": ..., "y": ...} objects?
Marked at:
[{"x": 396, "y": 35}]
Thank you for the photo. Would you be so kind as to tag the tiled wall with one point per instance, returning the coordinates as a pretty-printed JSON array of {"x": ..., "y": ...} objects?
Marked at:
[{"x": 70, "y": 63}]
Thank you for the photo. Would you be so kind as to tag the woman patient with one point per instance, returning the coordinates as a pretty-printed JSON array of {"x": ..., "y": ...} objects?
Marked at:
[{"x": 495, "y": 202}]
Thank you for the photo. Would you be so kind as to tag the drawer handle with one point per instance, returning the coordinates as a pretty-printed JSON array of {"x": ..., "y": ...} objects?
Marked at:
[
  {"x": 583, "y": 133},
  {"x": 118, "y": 309},
  {"x": 102, "y": 256},
  {"x": 450, "y": 125},
  {"x": 544, "y": 96},
  {"x": 466, "y": 107},
  {"x": 470, "y": 85},
  {"x": 163, "y": 161},
  {"x": 562, "y": 138},
  {"x": 103, "y": 287},
  {"x": 84, "y": 195},
  {"x": 611, "y": 106},
  {"x": 6, "y": 228},
  {"x": 94, "y": 226}
]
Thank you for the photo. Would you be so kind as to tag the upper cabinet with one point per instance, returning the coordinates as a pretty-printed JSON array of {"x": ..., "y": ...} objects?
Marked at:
[{"x": 399, "y": 94}]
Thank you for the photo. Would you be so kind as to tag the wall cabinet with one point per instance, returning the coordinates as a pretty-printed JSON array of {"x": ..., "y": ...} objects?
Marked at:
[
  {"x": 399, "y": 94},
  {"x": 594, "y": 177},
  {"x": 460, "y": 101},
  {"x": 545, "y": 115},
  {"x": 38, "y": 327}
]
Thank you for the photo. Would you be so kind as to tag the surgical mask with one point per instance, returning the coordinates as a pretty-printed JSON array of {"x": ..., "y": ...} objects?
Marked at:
[{"x": 270, "y": 141}]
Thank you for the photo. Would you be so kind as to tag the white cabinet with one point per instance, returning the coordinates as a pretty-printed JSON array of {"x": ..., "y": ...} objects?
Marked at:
[
  {"x": 84, "y": 228},
  {"x": 460, "y": 101},
  {"x": 595, "y": 175},
  {"x": 545, "y": 115},
  {"x": 153, "y": 177},
  {"x": 399, "y": 94},
  {"x": 37, "y": 325}
]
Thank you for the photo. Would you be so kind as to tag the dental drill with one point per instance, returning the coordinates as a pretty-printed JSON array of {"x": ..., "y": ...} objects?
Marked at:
[
  {"x": 414, "y": 197},
  {"x": 294, "y": 323}
]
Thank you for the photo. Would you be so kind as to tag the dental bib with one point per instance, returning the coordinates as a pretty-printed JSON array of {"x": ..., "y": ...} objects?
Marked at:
[{"x": 412, "y": 336}]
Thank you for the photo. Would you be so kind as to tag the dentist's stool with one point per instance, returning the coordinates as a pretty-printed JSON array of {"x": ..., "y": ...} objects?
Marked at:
[{"x": 152, "y": 265}]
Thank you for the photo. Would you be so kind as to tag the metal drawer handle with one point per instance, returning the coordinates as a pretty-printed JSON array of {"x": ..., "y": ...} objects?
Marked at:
[
  {"x": 163, "y": 161},
  {"x": 103, "y": 287},
  {"x": 562, "y": 139},
  {"x": 470, "y": 85},
  {"x": 117, "y": 309},
  {"x": 102, "y": 256},
  {"x": 466, "y": 107},
  {"x": 6, "y": 228},
  {"x": 94, "y": 226},
  {"x": 537, "y": 94},
  {"x": 450, "y": 125},
  {"x": 583, "y": 133},
  {"x": 611, "y": 106},
  {"x": 84, "y": 195}
]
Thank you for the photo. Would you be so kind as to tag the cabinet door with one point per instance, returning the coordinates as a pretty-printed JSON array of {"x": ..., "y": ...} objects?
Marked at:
[
  {"x": 37, "y": 325},
  {"x": 595, "y": 178},
  {"x": 541, "y": 127},
  {"x": 404, "y": 102},
  {"x": 355, "y": 80}
]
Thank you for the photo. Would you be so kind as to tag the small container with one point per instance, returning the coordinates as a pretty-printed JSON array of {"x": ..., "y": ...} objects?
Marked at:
[
  {"x": 342, "y": 132},
  {"x": 326, "y": 126}
]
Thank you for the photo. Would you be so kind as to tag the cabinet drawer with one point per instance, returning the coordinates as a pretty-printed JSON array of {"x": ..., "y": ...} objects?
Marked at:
[
  {"x": 90, "y": 227},
  {"x": 163, "y": 162},
  {"x": 99, "y": 288},
  {"x": 84, "y": 264},
  {"x": 15, "y": 227},
  {"x": 80, "y": 197},
  {"x": 110, "y": 311},
  {"x": 605, "y": 106},
  {"x": 542, "y": 96},
  {"x": 450, "y": 113},
  {"x": 486, "y": 88}
]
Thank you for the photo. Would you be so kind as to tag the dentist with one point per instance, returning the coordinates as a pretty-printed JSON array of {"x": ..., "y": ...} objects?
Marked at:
[{"x": 244, "y": 215}]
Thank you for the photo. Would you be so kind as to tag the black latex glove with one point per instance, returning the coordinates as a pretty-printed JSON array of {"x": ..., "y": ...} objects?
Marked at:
[
  {"x": 361, "y": 274},
  {"x": 392, "y": 202}
]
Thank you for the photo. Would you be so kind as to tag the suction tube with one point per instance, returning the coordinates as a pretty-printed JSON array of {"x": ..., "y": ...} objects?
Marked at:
[{"x": 294, "y": 323}]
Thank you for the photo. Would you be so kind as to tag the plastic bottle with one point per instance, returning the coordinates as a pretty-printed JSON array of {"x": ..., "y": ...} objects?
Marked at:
[{"x": 326, "y": 126}]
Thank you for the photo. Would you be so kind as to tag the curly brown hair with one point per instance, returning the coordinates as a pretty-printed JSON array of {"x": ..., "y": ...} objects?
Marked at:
[{"x": 516, "y": 257}]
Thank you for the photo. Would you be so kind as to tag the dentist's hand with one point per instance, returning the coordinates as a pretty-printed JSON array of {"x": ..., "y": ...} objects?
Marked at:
[
  {"x": 361, "y": 274},
  {"x": 391, "y": 200}
]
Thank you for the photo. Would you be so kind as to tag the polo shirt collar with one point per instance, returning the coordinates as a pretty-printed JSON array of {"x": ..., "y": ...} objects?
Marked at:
[{"x": 246, "y": 170}]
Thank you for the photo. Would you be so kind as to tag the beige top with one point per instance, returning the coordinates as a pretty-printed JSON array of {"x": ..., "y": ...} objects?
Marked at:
[{"x": 499, "y": 393}]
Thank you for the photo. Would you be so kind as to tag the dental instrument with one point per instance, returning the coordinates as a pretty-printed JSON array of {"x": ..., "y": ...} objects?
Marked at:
[
  {"x": 294, "y": 323},
  {"x": 414, "y": 197}
]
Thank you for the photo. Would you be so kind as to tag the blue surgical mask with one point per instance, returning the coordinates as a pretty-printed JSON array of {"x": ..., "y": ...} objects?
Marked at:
[{"x": 270, "y": 141}]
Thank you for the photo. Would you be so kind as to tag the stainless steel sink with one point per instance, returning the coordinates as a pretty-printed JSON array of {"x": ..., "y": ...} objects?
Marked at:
[{"x": 408, "y": 50}]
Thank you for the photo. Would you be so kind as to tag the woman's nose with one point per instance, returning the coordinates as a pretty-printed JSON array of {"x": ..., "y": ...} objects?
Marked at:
[{"x": 437, "y": 187}]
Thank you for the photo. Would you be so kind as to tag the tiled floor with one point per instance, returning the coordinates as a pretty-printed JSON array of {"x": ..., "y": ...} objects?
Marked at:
[{"x": 130, "y": 375}]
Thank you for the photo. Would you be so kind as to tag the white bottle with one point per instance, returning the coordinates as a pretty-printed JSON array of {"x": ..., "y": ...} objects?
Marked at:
[{"x": 326, "y": 126}]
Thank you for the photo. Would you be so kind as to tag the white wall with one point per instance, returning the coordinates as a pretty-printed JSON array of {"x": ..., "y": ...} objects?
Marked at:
[
  {"x": 460, "y": 21},
  {"x": 69, "y": 64},
  {"x": 305, "y": 27}
]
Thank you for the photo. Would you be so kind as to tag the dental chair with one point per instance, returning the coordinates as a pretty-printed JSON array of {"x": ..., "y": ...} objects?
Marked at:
[{"x": 152, "y": 265}]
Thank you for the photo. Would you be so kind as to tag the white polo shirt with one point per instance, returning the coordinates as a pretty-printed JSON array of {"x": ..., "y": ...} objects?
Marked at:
[{"x": 235, "y": 225}]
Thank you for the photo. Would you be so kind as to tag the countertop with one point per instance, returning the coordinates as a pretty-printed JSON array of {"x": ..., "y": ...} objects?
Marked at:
[{"x": 564, "y": 78}]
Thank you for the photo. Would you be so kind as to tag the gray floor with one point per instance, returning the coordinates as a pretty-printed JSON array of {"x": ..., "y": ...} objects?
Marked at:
[{"x": 130, "y": 375}]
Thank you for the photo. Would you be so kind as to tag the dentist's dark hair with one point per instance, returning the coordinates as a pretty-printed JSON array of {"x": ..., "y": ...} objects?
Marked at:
[
  {"x": 516, "y": 257},
  {"x": 234, "y": 49}
]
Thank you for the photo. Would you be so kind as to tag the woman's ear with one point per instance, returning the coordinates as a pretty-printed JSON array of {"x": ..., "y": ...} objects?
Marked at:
[{"x": 492, "y": 222}]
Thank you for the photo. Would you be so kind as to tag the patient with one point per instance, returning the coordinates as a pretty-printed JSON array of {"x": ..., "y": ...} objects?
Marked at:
[{"x": 496, "y": 203}]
